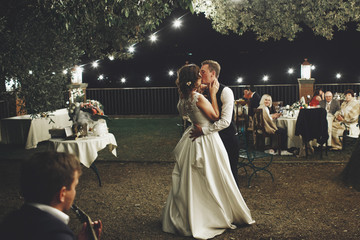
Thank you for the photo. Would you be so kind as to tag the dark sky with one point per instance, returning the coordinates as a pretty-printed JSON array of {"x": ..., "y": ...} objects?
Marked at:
[{"x": 238, "y": 56}]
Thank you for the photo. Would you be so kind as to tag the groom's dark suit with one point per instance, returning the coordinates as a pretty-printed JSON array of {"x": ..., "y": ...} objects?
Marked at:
[
  {"x": 228, "y": 134},
  {"x": 32, "y": 223},
  {"x": 229, "y": 138}
]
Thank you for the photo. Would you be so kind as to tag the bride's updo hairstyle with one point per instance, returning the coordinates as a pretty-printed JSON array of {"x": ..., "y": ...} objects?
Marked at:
[{"x": 187, "y": 77}]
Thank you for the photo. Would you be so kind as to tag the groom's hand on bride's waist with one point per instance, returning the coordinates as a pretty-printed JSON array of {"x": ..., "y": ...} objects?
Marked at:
[{"x": 196, "y": 132}]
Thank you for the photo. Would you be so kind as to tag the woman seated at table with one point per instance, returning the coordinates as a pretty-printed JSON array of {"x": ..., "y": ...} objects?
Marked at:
[
  {"x": 318, "y": 96},
  {"x": 348, "y": 116},
  {"x": 269, "y": 120}
]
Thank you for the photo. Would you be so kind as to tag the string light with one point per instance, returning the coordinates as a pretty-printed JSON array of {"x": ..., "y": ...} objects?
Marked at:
[
  {"x": 111, "y": 57},
  {"x": 123, "y": 80},
  {"x": 290, "y": 71},
  {"x": 147, "y": 78},
  {"x": 95, "y": 64},
  {"x": 177, "y": 23},
  {"x": 338, "y": 75},
  {"x": 171, "y": 73},
  {"x": 312, "y": 67},
  {"x": 266, "y": 78},
  {"x": 30, "y": 72},
  {"x": 65, "y": 71},
  {"x": 101, "y": 77},
  {"x": 131, "y": 49},
  {"x": 239, "y": 80},
  {"x": 153, "y": 38}
]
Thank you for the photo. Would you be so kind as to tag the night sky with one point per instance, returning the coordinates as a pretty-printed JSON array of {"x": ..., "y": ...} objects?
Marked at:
[{"x": 239, "y": 56}]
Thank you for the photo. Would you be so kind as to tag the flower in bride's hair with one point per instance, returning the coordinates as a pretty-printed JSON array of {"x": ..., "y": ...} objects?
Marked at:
[{"x": 188, "y": 83}]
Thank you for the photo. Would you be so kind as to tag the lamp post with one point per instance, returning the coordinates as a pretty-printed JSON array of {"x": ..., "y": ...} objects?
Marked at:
[{"x": 306, "y": 83}]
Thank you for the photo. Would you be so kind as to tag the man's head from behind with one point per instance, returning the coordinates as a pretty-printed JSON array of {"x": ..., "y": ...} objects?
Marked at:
[
  {"x": 50, "y": 178},
  {"x": 328, "y": 96},
  {"x": 210, "y": 70}
]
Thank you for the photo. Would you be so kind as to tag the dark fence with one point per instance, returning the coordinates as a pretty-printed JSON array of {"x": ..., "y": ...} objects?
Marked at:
[
  {"x": 139, "y": 101},
  {"x": 340, "y": 88},
  {"x": 163, "y": 100}
]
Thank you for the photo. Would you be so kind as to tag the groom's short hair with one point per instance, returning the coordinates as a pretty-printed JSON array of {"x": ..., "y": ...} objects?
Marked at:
[{"x": 213, "y": 66}]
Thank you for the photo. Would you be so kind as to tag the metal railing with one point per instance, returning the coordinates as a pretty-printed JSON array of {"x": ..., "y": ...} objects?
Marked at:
[{"x": 163, "y": 100}]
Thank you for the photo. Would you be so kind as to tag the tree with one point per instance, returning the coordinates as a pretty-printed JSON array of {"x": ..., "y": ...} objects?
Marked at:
[
  {"x": 278, "y": 19},
  {"x": 49, "y": 36}
]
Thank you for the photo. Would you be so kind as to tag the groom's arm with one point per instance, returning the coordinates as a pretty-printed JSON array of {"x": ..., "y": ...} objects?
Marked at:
[{"x": 227, "y": 99}]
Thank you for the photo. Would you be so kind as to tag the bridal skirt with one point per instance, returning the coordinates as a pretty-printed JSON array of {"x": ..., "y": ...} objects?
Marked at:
[{"x": 204, "y": 199}]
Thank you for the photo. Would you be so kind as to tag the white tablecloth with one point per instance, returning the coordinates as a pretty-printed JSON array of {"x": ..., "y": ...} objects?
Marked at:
[
  {"x": 289, "y": 123},
  {"x": 86, "y": 149},
  {"x": 28, "y": 131}
]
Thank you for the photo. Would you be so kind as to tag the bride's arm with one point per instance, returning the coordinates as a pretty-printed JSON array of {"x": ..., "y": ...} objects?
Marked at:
[
  {"x": 207, "y": 108},
  {"x": 210, "y": 110}
]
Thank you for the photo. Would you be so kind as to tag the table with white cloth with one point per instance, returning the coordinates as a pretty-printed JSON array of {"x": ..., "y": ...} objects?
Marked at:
[
  {"x": 30, "y": 131},
  {"x": 86, "y": 148},
  {"x": 289, "y": 123}
]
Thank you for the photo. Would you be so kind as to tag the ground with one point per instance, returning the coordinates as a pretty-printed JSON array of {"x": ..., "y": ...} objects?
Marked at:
[{"x": 307, "y": 200}]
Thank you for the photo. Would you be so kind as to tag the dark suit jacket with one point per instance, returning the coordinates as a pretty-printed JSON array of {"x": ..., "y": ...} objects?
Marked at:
[
  {"x": 32, "y": 223},
  {"x": 254, "y": 103},
  {"x": 334, "y": 106}
]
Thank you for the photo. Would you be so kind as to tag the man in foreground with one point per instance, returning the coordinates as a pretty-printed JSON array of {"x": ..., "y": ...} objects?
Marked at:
[{"x": 48, "y": 185}]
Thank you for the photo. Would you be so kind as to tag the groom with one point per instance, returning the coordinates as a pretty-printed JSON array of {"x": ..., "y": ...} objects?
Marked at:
[{"x": 209, "y": 72}]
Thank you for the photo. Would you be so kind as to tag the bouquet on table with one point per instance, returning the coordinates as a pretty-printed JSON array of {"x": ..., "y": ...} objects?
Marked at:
[
  {"x": 299, "y": 104},
  {"x": 88, "y": 116}
]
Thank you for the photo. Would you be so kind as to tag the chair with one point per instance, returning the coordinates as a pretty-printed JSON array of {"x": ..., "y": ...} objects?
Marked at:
[
  {"x": 348, "y": 134},
  {"x": 247, "y": 158},
  {"x": 312, "y": 124},
  {"x": 241, "y": 117},
  {"x": 260, "y": 133}
]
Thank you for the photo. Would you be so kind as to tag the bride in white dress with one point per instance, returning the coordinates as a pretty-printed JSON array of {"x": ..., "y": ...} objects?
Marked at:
[{"x": 204, "y": 199}]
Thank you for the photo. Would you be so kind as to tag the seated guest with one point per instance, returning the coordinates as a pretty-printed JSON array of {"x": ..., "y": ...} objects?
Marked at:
[
  {"x": 347, "y": 115},
  {"x": 48, "y": 182},
  {"x": 317, "y": 97},
  {"x": 331, "y": 105},
  {"x": 269, "y": 121}
]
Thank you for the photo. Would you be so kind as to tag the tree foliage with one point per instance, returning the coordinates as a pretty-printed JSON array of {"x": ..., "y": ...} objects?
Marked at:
[
  {"x": 276, "y": 19},
  {"x": 48, "y": 36}
]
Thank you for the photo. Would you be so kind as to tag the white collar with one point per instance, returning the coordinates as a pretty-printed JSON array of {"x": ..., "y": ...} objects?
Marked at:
[{"x": 53, "y": 211}]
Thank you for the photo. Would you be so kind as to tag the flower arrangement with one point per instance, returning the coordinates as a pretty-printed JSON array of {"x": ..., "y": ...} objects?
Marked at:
[
  {"x": 86, "y": 111},
  {"x": 77, "y": 95},
  {"x": 298, "y": 105}
]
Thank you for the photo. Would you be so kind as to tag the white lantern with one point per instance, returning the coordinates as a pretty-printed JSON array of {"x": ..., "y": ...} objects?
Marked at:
[{"x": 305, "y": 70}]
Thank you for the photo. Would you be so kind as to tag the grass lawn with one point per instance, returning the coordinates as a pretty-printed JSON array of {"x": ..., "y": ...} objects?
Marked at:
[{"x": 138, "y": 139}]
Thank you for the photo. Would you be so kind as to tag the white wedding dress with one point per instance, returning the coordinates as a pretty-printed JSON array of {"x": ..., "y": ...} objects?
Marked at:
[{"x": 204, "y": 199}]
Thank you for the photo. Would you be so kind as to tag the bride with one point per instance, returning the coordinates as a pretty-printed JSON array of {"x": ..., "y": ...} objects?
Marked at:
[{"x": 204, "y": 199}]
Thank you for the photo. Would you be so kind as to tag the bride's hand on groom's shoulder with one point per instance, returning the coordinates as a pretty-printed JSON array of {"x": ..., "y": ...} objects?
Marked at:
[{"x": 214, "y": 87}]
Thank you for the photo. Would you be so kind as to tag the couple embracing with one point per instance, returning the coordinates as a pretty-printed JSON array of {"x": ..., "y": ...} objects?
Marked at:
[{"x": 204, "y": 199}]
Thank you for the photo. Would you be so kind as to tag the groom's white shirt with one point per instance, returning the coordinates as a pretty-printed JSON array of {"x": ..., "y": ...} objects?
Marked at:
[{"x": 227, "y": 99}]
